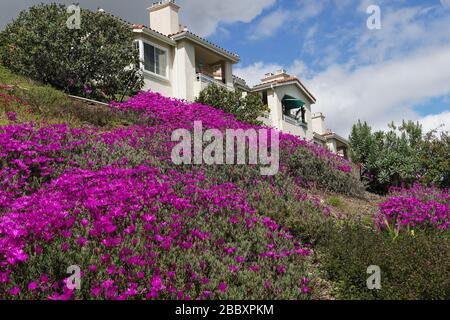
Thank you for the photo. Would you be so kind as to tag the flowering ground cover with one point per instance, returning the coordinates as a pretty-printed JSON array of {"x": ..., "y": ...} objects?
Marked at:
[
  {"x": 415, "y": 208},
  {"x": 140, "y": 227}
]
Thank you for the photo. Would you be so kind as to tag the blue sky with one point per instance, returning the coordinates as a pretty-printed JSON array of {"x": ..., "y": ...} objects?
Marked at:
[{"x": 401, "y": 71}]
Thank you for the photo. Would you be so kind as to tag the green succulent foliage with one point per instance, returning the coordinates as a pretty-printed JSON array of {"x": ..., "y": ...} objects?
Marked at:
[
  {"x": 98, "y": 60},
  {"x": 246, "y": 108}
]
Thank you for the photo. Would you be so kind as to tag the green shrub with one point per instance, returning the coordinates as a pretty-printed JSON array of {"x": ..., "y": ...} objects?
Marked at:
[
  {"x": 401, "y": 156},
  {"x": 435, "y": 158},
  {"x": 412, "y": 267},
  {"x": 246, "y": 108},
  {"x": 97, "y": 60}
]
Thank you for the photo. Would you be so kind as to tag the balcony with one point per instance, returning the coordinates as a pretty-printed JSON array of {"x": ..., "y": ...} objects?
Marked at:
[
  {"x": 202, "y": 81},
  {"x": 205, "y": 80},
  {"x": 294, "y": 121}
]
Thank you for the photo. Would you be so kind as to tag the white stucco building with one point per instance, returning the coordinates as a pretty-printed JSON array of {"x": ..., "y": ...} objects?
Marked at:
[
  {"x": 176, "y": 62},
  {"x": 328, "y": 138},
  {"x": 289, "y": 102}
]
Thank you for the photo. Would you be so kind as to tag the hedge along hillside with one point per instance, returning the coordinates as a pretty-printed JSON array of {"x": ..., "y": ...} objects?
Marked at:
[{"x": 98, "y": 59}]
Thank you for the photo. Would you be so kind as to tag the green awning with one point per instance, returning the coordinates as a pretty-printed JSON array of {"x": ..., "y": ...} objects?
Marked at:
[{"x": 292, "y": 103}]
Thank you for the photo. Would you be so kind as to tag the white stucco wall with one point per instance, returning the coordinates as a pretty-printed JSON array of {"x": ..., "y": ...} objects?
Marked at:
[
  {"x": 275, "y": 109},
  {"x": 181, "y": 78},
  {"x": 318, "y": 124},
  {"x": 164, "y": 19},
  {"x": 154, "y": 82}
]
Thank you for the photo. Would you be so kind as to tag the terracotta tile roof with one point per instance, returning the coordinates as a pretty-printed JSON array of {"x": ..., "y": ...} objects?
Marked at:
[
  {"x": 286, "y": 80},
  {"x": 330, "y": 134},
  {"x": 203, "y": 40},
  {"x": 239, "y": 78},
  {"x": 133, "y": 25}
]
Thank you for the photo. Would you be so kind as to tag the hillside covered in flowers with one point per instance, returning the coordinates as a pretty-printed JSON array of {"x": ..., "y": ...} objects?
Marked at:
[{"x": 110, "y": 201}]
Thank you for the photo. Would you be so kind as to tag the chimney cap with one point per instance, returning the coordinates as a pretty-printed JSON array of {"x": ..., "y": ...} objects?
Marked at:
[
  {"x": 318, "y": 115},
  {"x": 162, "y": 4}
]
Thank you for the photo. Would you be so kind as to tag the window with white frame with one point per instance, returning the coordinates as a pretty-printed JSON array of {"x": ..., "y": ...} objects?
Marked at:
[{"x": 155, "y": 60}]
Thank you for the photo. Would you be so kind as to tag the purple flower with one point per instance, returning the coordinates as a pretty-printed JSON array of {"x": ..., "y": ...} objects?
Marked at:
[
  {"x": 11, "y": 116},
  {"x": 87, "y": 90},
  {"x": 234, "y": 268},
  {"x": 32, "y": 286},
  {"x": 15, "y": 291},
  {"x": 222, "y": 287}
]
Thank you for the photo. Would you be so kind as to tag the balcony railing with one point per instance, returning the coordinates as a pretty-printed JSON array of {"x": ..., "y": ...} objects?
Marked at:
[
  {"x": 206, "y": 79},
  {"x": 294, "y": 121}
]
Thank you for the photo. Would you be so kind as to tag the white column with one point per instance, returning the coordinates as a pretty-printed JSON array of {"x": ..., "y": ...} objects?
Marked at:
[
  {"x": 228, "y": 66},
  {"x": 276, "y": 111},
  {"x": 184, "y": 71}
]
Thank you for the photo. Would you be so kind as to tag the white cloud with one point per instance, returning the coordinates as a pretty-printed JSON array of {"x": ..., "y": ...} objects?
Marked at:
[
  {"x": 255, "y": 72},
  {"x": 272, "y": 23},
  {"x": 440, "y": 121},
  {"x": 377, "y": 93},
  {"x": 380, "y": 76},
  {"x": 445, "y": 3},
  {"x": 381, "y": 92},
  {"x": 203, "y": 17}
]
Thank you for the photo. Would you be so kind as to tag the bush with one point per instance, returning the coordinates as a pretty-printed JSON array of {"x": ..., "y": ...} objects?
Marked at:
[
  {"x": 435, "y": 160},
  {"x": 412, "y": 267},
  {"x": 246, "y": 108},
  {"x": 400, "y": 156},
  {"x": 97, "y": 60}
]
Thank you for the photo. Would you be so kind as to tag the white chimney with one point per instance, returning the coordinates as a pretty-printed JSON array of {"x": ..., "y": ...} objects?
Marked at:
[
  {"x": 278, "y": 75},
  {"x": 318, "y": 123},
  {"x": 164, "y": 17}
]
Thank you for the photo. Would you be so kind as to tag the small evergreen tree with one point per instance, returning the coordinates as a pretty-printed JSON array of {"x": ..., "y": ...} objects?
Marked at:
[{"x": 96, "y": 60}]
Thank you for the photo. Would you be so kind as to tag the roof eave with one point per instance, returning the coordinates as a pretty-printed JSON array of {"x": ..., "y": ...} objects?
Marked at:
[
  {"x": 319, "y": 137},
  {"x": 311, "y": 98},
  {"x": 190, "y": 36},
  {"x": 155, "y": 34},
  {"x": 337, "y": 137}
]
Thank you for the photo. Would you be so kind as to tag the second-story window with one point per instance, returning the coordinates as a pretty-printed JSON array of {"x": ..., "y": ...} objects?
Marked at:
[{"x": 155, "y": 60}]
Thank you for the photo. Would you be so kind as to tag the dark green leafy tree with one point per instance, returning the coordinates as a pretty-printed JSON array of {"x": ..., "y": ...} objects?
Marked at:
[
  {"x": 388, "y": 158},
  {"x": 398, "y": 161},
  {"x": 434, "y": 158},
  {"x": 97, "y": 60},
  {"x": 247, "y": 108}
]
